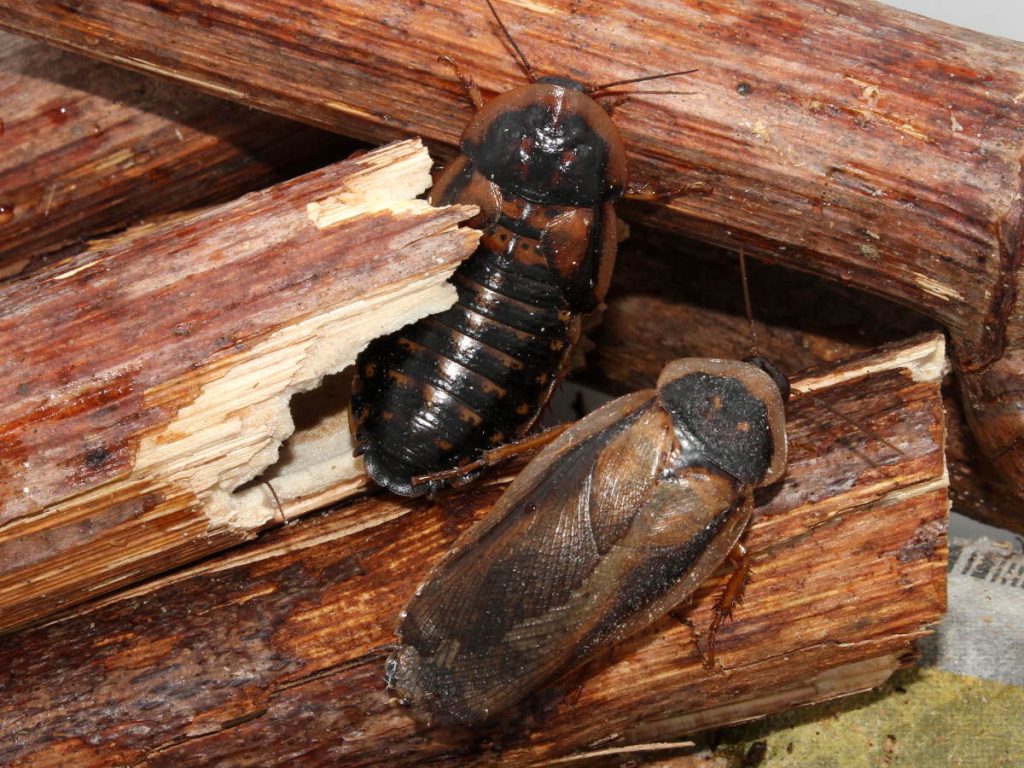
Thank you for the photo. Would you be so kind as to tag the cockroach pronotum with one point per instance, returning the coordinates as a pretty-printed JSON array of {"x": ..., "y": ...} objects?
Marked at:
[
  {"x": 613, "y": 524},
  {"x": 544, "y": 164}
]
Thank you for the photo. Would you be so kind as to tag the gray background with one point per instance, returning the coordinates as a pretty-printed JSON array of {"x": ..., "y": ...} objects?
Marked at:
[{"x": 996, "y": 17}]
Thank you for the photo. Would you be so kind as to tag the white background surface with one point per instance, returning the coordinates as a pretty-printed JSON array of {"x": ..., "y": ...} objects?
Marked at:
[{"x": 996, "y": 17}]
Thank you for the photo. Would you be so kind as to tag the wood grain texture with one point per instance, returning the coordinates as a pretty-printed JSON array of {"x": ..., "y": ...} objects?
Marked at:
[
  {"x": 86, "y": 147},
  {"x": 849, "y": 139},
  {"x": 154, "y": 147},
  {"x": 150, "y": 377},
  {"x": 273, "y": 654}
]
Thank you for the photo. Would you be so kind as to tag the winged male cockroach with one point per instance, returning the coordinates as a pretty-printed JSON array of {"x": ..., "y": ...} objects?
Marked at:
[{"x": 612, "y": 525}]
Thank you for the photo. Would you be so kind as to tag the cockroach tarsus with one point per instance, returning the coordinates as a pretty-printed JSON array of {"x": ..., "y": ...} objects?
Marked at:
[
  {"x": 612, "y": 525},
  {"x": 544, "y": 165}
]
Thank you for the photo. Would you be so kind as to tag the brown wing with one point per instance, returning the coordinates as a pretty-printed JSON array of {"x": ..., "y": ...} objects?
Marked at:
[
  {"x": 682, "y": 534},
  {"x": 510, "y": 607},
  {"x": 535, "y": 473}
]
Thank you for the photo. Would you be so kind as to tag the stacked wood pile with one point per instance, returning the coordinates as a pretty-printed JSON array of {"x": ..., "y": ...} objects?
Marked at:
[{"x": 149, "y": 375}]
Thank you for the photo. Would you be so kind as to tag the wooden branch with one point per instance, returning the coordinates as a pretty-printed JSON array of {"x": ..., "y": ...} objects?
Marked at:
[
  {"x": 87, "y": 148},
  {"x": 119, "y": 146},
  {"x": 273, "y": 654},
  {"x": 152, "y": 147},
  {"x": 850, "y": 139},
  {"x": 663, "y": 285},
  {"x": 150, "y": 378}
]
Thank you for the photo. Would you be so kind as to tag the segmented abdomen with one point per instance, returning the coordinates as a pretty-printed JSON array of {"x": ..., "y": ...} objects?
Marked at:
[{"x": 441, "y": 391}]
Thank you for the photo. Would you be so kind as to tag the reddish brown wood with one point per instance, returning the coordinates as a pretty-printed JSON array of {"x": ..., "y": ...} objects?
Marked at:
[
  {"x": 273, "y": 654},
  {"x": 195, "y": 149},
  {"x": 87, "y": 147},
  {"x": 846, "y": 138},
  {"x": 148, "y": 379}
]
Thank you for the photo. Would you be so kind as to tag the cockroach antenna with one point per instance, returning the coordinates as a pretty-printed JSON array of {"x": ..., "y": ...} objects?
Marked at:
[
  {"x": 381, "y": 650},
  {"x": 532, "y": 74},
  {"x": 748, "y": 305},
  {"x": 277, "y": 499},
  {"x": 508, "y": 36},
  {"x": 755, "y": 358},
  {"x": 616, "y": 83}
]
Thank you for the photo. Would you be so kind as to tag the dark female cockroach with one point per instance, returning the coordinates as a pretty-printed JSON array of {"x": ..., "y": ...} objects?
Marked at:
[
  {"x": 544, "y": 164},
  {"x": 613, "y": 524}
]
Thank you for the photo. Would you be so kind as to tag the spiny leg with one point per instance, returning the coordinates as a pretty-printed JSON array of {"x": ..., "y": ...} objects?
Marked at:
[
  {"x": 472, "y": 91},
  {"x": 647, "y": 191},
  {"x": 739, "y": 557}
]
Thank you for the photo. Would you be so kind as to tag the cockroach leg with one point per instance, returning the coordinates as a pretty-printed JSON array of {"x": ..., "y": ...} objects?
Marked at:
[
  {"x": 614, "y": 102},
  {"x": 649, "y": 192},
  {"x": 740, "y": 558},
  {"x": 572, "y": 698},
  {"x": 495, "y": 456},
  {"x": 472, "y": 91},
  {"x": 802, "y": 449}
]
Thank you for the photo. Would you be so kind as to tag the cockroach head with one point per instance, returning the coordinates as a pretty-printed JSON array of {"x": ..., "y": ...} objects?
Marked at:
[
  {"x": 550, "y": 143},
  {"x": 780, "y": 379},
  {"x": 564, "y": 82},
  {"x": 731, "y": 414}
]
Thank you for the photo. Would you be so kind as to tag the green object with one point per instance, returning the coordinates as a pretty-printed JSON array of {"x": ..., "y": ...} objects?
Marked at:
[{"x": 921, "y": 718}]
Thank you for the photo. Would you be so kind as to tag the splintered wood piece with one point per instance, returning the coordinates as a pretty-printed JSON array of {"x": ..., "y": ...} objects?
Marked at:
[
  {"x": 148, "y": 379},
  {"x": 87, "y": 147},
  {"x": 274, "y": 654},
  {"x": 853, "y": 140}
]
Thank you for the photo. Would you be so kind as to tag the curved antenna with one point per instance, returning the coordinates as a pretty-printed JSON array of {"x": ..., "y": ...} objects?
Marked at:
[
  {"x": 628, "y": 81},
  {"x": 508, "y": 35},
  {"x": 277, "y": 499}
]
